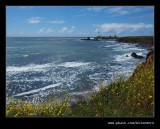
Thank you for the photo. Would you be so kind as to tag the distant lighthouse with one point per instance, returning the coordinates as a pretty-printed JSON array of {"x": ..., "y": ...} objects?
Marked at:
[{"x": 99, "y": 33}]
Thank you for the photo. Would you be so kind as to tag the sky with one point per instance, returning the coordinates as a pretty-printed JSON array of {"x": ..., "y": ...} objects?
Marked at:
[{"x": 79, "y": 21}]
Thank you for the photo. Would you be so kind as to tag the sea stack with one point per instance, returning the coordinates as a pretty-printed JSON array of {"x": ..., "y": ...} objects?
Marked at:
[{"x": 136, "y": 56}]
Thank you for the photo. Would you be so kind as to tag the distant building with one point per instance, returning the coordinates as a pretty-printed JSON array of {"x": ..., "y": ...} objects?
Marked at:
[{"x": 88, "y": 38}]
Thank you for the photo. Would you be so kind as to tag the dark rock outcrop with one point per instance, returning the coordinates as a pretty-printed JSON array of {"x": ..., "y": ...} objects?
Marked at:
[
  {"x": 136, "y": 56},
  {"x": 150, "y": 53},
  {"x": 143, "y": 65},
  {"x": 88, "y": 38}
]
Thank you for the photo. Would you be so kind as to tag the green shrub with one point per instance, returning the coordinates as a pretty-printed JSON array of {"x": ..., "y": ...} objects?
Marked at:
[{"x": 49, "y": 108}]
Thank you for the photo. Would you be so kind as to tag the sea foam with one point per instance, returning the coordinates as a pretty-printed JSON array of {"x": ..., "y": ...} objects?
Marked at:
[
  {"x": 37, "y": 90},
  {"x": 73, "y": 64},
  {"x": 120, "y": 58},
  {"x": 28, "y": 68}
]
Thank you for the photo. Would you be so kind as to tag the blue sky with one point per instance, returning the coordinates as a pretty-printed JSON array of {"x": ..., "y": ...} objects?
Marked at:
[{"x": 79, "y": 21}]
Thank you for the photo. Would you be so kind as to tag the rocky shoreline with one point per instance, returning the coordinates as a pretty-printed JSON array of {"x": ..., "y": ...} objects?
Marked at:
[
  {"x": 140, "y": 40},
  {"x": 76, "y": 98}
]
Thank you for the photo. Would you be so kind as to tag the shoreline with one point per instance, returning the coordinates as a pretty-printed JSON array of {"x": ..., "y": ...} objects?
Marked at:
[
  {"x": 141, "y": 40},
  {"x": 92, "y": 102},
  {"x": 101, "y": 103},
  {"x": 78, "y": 96}
]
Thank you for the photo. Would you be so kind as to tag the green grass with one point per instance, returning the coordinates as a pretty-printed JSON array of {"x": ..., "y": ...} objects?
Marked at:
[
  {"x": 24, "y": 108},
  {"x": 132, "y": 97},
  {"x": 137, "y": 39}
]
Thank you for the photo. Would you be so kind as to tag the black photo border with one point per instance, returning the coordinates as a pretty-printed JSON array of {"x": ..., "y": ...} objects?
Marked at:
[{"x": 99, "y": 122}]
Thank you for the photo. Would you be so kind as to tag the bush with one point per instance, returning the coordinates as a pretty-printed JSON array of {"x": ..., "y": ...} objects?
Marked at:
[{"x": 54, "y": 107}]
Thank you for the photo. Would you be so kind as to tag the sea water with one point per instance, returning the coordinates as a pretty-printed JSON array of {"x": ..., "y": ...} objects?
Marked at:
[{"x": 45, "y": 66}]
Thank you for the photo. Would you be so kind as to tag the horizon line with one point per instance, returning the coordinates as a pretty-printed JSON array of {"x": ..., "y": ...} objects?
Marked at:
[{"x": 71, "y": 36}]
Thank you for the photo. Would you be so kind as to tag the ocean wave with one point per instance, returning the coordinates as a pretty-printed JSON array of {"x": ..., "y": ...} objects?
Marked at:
[
  {"x": 73, "y": 64},
  {"x": 139, "y": 53},
  {"x": 128, "y": 47},
  {"x": 25, "y": 55},
  {"x": 120, "y": 58},
  {"x": 12, "y": 47},
  {"x": 117, "y": 71},
  {"x": 33, "y": 79},
  {"x": 28, "y": 68},
  {"x": 111, "y": 41},
  {"x": 62, "y": 70},
  {"x": 112, "y": 45},
  {"x": 37, "y": 90},
  {"x": 137, "y": 49}
]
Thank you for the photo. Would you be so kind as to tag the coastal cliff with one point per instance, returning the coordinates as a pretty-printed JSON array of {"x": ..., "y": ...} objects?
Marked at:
[{"x": 147, "y": 40}]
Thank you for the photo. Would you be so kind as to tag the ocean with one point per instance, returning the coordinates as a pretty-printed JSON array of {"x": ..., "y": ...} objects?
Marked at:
[{"x": 39, "y": 67}]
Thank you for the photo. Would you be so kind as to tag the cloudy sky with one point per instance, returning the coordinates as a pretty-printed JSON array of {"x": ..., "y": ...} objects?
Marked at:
[{"x": 79, "y": 21}]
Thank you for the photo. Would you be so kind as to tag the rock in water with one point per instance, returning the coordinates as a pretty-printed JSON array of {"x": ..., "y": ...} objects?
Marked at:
[{"x": 136, "y": 56}]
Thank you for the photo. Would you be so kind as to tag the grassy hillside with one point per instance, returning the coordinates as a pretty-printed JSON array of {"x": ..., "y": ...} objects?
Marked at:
[
  {"x": 137, "y": 39},
  {"x": 106, "y": 37},
  {"x": 134, "y": 97}
]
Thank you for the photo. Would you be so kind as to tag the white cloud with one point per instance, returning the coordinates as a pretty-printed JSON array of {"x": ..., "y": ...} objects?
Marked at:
[
  {"x": 80, "y": 15},
  {"x": 67, "y": 30},
  {"x": 64, "y": 29},
  {"x": 49, "y": 30},
  {"x": 45, "y": 30},
  {"x": 118, "y": 10},
  {"x": 34, "y": 20},
  {"x": 144, "y": 16},
  {"x": 118, "y": 28},
  {"x": 72, "y": 29},
  {"x": 96, "y": 8},
  {"x": 57, "y": 22},
  {"x": 25, "y": 7},
  {"x": 41, "y": 30}
]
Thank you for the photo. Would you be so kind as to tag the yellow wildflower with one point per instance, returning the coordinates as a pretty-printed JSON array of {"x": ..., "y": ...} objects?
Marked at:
[
  {"x": 138, "y": 104},
  {"x": 149, "y": 96}
]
